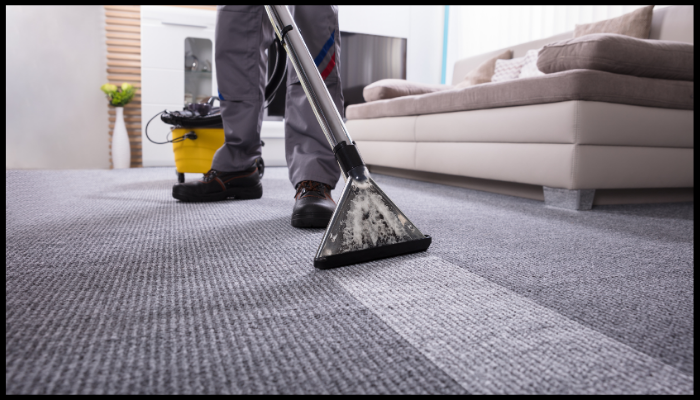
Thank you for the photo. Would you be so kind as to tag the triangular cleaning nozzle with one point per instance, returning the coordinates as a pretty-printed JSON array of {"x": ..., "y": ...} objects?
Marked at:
[{"x": 365, "y": 226}]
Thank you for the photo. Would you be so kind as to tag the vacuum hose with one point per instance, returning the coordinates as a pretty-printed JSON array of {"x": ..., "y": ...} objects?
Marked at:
[{"x": 278, "y": 73}]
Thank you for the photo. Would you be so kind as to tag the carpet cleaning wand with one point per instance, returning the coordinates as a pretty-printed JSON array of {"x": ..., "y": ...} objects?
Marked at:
[{"x": 366, "y": 225}]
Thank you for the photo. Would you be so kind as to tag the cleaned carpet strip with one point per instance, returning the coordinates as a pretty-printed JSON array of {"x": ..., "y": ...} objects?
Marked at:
[{"x": 491, "y": 340}]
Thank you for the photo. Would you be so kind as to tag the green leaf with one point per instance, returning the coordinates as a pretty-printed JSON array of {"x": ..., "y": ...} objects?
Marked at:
[{"x": 108, "y": 88}]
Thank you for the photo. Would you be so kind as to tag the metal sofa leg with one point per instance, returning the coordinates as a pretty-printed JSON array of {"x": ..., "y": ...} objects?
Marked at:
[{"x": 581, "y": 199}]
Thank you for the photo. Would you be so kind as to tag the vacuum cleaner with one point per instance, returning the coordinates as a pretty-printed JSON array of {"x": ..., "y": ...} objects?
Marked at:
[
  {"x": 366, "y": 224},
  {"x": 196, "y": 134}
]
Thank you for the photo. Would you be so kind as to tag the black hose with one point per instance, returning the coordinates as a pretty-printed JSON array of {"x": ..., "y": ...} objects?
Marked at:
[
  {"x": 149, "y": 122},
  {"x": 278, "y": 73},
  {"x": 188, "y": 135}
]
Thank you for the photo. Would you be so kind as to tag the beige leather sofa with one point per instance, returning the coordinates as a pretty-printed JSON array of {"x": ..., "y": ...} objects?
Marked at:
[{"x": 572, "y": 153}]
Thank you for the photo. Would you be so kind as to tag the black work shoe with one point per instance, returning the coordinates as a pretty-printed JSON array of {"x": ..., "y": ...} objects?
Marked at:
[
  {"x": 314, "y": 206},
  {"x": 218, "y": 185}
]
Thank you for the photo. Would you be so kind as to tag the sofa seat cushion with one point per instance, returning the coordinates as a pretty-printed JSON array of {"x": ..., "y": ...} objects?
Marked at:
[
  {"x": 620, "y": 54},
  {"x": 566, "y": 122},
  {"x": 551, "y": 88}
]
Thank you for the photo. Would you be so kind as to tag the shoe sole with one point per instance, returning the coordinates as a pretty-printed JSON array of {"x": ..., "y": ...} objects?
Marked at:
[
  {"x": 311, "y": 220},
  {"x": 240, "y": 193}
]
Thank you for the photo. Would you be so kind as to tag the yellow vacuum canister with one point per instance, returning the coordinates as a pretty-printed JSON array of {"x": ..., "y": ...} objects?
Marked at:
[{"x": 195, "y": 154}]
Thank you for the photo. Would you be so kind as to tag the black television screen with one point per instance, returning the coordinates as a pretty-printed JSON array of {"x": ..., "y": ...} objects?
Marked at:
[{"x": 363, "y": 59}]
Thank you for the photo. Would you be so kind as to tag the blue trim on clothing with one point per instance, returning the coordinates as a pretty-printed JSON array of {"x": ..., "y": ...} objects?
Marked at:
[
  {"x": 319, "y": 58},
  {"x": 443, "y": 76},
  {"x": 220, "y": 96}
]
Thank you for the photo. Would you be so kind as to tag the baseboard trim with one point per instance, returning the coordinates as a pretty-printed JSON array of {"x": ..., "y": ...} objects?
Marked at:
[{"x": 534, "y": 192}]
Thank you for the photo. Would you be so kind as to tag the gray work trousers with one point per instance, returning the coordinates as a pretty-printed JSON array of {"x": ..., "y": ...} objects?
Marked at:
[{"x": 243, "y": 33}]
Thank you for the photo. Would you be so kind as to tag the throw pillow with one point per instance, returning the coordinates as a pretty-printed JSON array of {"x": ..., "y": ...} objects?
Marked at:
[
  {"x": 392, "y": 88},
  {"x": 661, "y": 59},
  {"x": 530, "y": 65},
  {"x": 484, "y": 72},
  {"x": 636, "y": 24},
  {"x": 507, "y": 70}
]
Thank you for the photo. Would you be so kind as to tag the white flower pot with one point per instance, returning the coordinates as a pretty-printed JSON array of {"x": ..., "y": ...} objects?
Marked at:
[{"x": 121, "y": 151}]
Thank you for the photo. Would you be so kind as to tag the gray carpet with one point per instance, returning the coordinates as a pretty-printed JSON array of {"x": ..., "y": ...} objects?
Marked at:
[{"x": 114, "y": 287}]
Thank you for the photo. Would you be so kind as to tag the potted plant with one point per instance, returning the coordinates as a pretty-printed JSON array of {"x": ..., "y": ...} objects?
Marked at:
[{"x": 119, "y": 97}]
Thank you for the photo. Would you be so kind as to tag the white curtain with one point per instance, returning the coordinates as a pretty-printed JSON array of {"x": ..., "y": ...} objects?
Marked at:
[{"x": 474, "y": 30}]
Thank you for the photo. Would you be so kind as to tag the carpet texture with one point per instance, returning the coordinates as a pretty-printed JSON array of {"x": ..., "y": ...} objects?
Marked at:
[{"x": 112, "y": 286}]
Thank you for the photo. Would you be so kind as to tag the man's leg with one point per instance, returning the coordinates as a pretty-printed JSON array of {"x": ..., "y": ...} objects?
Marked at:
[
  {"x": 313, "y": 169},
  {"x": 243, "y": 33},
  {"x": 309, "y": 155}
]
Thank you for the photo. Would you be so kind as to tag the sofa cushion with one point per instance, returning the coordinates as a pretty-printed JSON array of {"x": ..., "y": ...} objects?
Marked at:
[
  {"x": 620, "y": 55},
  {"x": 392, "y": 88},
  {"x": 529, "y": 68},
  {"x": 550, "y": 88},
  {"x": 636, "y": 24},
  {"x": 507, "y": 70},
  {"x": 461, "y": 67},
  {"x": 484, "y": 72}
]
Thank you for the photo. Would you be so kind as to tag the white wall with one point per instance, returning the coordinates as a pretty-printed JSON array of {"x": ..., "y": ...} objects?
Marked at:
[
  {"x": 426, "y": 30},
  {"x": 56, "y": 115},
  {"x": 422, "y": 26},
  {"x": 375, "y": 20}
]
